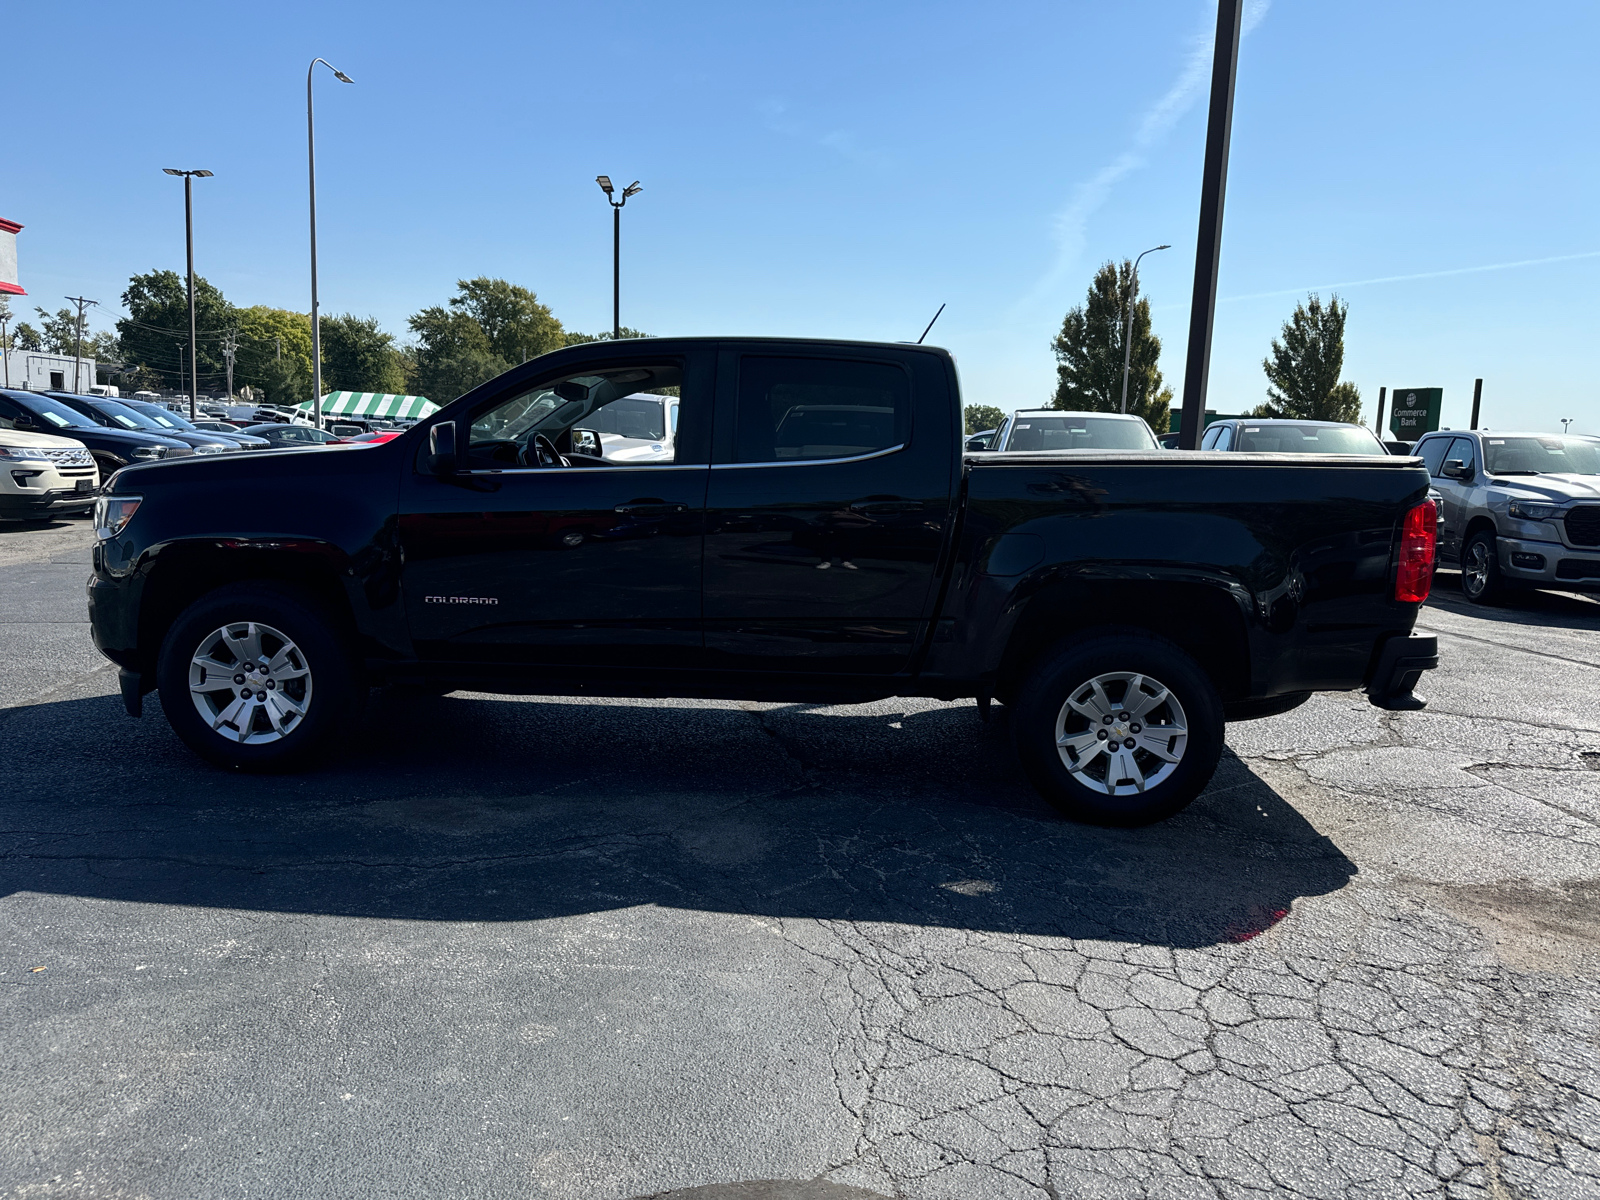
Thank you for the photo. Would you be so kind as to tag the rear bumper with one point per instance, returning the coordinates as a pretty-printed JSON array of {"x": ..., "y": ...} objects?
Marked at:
[{"x": 1400, "y": 663}]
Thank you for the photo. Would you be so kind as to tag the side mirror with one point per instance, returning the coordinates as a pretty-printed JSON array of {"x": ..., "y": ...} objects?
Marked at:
[
  {"x": 23, "y": 421},
  {"x": 1455, "y": 468},
  {"x": 442, "y": 448},
  {"x": 586, "y": 441}
]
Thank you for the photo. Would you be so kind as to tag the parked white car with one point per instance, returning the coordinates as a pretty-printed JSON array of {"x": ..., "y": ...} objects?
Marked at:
[
  {"x": 1054, "y": 429},
  {"x": 44, "y": 476},
  {"x": 638, "y": 428}
]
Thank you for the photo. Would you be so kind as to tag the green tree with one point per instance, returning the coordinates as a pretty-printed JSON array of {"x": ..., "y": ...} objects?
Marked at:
[
  {"x": 574, "y": 338},
  {"x": 59, "y": 330},
  {"x": 26, "y": 337},
  {"x": 484, "y": 330},
  {"x": 357, "y": 356},
  {"x": 269, "y": 338},
  {"x": 1089, "y": 352},
  {"x": 1303, "y": 368},
  {"x": 982, "y": 416},
  {"x": 155, "y": 333},
  {"x": 285, "y": 381}
]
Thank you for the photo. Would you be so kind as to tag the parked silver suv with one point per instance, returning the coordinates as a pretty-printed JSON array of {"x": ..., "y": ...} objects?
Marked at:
[{"x": 1519, "y": 509}]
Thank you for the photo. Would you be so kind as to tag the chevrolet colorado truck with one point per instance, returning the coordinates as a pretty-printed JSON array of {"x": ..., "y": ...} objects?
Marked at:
[{"x": 818, "y": 534}]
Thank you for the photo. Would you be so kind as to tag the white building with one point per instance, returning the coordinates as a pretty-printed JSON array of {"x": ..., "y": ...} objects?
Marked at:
[{"x": 41, "y": 372}]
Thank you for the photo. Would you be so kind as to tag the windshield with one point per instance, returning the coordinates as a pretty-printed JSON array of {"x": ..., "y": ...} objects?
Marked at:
[
  {"x": 1541, "y": 455},
  {"x": 1030, "y": 432},
  {"x": 1308, "y": 439},
  {"x": 59, "y": 414},
  {"x": 163, "y": 418},
  {"x": 125, "y": 417},
  {"x": 630, "y": 417}
]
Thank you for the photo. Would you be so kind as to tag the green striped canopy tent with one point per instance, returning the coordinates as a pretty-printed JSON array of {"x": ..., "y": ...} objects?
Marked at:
[{"x": 375, "y": 404}]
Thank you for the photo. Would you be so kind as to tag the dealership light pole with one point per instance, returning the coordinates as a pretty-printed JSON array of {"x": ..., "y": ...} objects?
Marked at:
[
  {"x": 1127, "y": 340},
  {"x": 1208, "y": 245},
  {"x": 316, "y": 325},
  {"x": 188, "y": 228},
  {"x": 633, "y": 189}
]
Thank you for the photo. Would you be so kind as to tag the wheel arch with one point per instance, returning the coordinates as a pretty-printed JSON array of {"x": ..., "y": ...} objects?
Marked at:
[
  {"x": 181, "y": 573},
  {"x": 1201, "y": 619}
]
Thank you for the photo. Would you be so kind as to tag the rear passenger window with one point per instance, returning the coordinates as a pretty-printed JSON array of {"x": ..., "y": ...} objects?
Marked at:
[
  {"x": 1433, "y": 454},
  {"x": 792, "y": 409}
]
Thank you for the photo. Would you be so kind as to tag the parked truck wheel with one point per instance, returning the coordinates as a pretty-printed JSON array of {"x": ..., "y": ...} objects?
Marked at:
[
  {"x": 1481, "y": 581},
  {"x": 1121, "y": 729},
  {"x": 254, "y": 676}
]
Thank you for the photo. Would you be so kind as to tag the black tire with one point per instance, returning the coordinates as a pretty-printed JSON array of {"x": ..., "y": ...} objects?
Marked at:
[
  {"x": 1067, "y": 673},
  {"x": 332, "y": 693},
  {"x": 1481, "y": 580}
]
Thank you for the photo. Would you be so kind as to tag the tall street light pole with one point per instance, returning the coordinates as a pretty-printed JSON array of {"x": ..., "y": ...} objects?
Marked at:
[
  {"x": 633, "y": 189},
  {"x": 1127, "y": 338},
  {"x": 188, "y": 227},
  {"x": 311, "y": 155},
  {"x": 1208, "y": 246}
]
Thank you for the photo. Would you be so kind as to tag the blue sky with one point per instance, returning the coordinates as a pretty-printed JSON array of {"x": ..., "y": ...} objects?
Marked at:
[{"x": 841, "y": 169}]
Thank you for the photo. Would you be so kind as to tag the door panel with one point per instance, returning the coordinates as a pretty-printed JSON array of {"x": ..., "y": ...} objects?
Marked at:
[
  {"x": 596, "y": 566},
  {"x": 574, "y": 562},
  {"x": 819, "y": 564}
]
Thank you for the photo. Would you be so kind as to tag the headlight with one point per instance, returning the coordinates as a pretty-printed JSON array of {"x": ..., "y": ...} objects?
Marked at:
[
  {"x": 149, "y": 452},
  {"x": 22, "y": 454},
  {"x": 112, "y": 513},
  {"x": 210, "y": 448},
  {"x": 1524, "y": 511}
]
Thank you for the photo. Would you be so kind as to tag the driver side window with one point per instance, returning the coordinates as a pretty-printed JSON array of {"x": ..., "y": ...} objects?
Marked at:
[{"x": 626, "y": 416}]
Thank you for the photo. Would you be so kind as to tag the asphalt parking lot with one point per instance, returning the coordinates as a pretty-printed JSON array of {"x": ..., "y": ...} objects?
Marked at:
[{"x": 595, "y": 950}]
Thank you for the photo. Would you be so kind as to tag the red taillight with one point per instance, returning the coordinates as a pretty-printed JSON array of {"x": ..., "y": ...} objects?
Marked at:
[{"x": 1418, "y": 533}]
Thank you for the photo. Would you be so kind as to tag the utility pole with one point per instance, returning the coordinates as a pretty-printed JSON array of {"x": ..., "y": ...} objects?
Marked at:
[
  {"x": 1208, "y": 246},
  {"x": 1477, "y": 398},
  {"x": 5, "y": 343},
  {"x": 279, "y": 340},
  {"x": 230, "y": 344},
  {"x": 179, "y": 347},
  {"x": 77, "y": 366}
]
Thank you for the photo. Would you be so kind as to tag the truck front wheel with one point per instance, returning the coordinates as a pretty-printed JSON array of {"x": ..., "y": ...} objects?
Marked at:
[
  {"x": 1121, "y": 729},
  {"x": 254, "y": 676}
]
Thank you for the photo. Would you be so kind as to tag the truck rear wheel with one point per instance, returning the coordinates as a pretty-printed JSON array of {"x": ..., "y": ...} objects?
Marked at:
[
  {"x": 1121, "y": 729},
  {"x": 254, "y": 676}
]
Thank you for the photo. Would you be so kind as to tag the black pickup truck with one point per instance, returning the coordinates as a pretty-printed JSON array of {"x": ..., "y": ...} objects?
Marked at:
[{"x": 765, "y": 520}]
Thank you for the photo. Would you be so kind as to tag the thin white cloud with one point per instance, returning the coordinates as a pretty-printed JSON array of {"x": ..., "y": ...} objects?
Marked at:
[
  {"x": 1071, "y": 223},
  {"x": 1352, "y": 283},
  {"x": 840, "y": 141}
]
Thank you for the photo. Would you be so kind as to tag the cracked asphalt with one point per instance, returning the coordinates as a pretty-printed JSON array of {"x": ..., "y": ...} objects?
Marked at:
[{"x": 593, "y": 950}]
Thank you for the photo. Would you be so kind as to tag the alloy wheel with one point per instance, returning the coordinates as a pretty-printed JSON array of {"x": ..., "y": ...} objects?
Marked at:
[
  {"x": 250, "y": 683},
  {"x": 1121, "y": 733},
  {"x": 1475, "y": 570}
]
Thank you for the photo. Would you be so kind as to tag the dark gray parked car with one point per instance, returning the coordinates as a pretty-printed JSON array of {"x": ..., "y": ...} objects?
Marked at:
[
  {"x": 177, "y": 423},
  {"x": 116, "y": 415}
]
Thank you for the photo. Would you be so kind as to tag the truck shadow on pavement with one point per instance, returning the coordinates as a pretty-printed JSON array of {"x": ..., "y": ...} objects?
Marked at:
[{"x": 475, "y": 808}]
